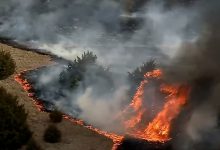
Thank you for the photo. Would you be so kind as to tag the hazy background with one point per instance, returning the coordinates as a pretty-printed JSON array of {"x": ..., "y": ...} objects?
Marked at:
[
  {"x": 183, "y": 36},
  {"x": 67, "y": 28}
]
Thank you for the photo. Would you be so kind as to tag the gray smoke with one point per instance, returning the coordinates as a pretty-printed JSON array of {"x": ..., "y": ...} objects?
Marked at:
[
  {"x": 197, "y": 63},
  {"x": 66, "y": 28},
  {"x": 184, "y": 39}
]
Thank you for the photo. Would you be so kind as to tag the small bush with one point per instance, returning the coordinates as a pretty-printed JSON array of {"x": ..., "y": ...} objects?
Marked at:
[
  {"x": 32, "y": 145},
  {"x": 52, "y": 134},
  {"x": 7, "y": 65},
  {"x": 56, "y": 116},
  {"x": 14, "y": 131}
]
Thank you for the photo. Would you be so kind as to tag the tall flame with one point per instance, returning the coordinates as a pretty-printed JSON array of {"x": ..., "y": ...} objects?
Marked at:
[
  {"x": 136, "y": 104},
  {"x": 157, "y": 130},
  {"x": 28, "y": 88}
]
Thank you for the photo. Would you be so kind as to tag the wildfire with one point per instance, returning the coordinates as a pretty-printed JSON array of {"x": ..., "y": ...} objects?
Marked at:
[
  {"x": 136, "y": 105},
  {"x": 116, "y": 138},
  {"x": 27, "y": 87},
  {"x": 157, "y": 130},
  {"x": 157, "y": 73}
]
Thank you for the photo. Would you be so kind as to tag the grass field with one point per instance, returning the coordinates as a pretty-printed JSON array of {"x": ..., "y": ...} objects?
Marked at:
[{"x": 74, "y": 137}]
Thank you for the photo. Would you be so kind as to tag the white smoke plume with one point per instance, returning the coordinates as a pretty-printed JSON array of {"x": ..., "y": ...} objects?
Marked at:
[
  {"x": 183, "y": 39},
  {"x": 67, "y": 28}
]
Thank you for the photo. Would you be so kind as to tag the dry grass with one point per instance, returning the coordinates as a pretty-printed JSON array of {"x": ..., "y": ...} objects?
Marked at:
[{"x": 74, "y": 137}]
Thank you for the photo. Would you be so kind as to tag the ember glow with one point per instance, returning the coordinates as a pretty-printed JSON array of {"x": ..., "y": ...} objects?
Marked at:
[
  {"x": 157, "y": 130},
  {"x": 28, "y": 88}
]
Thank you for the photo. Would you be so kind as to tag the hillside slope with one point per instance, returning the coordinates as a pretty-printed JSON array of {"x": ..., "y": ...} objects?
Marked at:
[{"x": 74, "y": 137}]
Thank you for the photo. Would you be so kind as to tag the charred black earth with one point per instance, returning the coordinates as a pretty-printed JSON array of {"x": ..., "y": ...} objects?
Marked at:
[{"x": 138, "y": 144}]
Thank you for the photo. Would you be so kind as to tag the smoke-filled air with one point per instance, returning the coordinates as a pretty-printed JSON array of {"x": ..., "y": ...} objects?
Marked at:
[{"x": 142, "y": 69}]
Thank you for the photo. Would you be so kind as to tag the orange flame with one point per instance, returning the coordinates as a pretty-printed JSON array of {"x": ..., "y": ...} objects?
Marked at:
[
  {"x": 136, "y": 105},
  {"x": 27, "y": 87},
  {"x": 157, "y": 130},
  {"x": 157, "y": 73}
]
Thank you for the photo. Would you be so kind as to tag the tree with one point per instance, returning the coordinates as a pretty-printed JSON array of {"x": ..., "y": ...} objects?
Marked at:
[
  {"x": 7, "y": 65},
  {"x": 138, "y": 74},
  {"x": 14, "y": 131},
  {"x": 56, "y": 116},
  {"x": 135, "y": 77},
  {"x": 86, "y": 59},
  {"x": 74, "y": 71},
  {"x": 52, "y": 134}
]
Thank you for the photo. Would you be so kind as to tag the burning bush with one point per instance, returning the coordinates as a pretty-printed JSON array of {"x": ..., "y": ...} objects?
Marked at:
[
  {"x": 52, "y": 134},
  {"x": 14, "y": 131},
  {"x": 7, "y": 65},
  {"x": 138, "y": 74},
  {"x": 32, "y": 145},
  {"x": 135, "y": 77},
  {"x": 56, "y": 116}
]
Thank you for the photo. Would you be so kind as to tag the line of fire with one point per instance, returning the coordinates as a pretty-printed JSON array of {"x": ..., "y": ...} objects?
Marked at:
[{"x": 140, "y": 130}]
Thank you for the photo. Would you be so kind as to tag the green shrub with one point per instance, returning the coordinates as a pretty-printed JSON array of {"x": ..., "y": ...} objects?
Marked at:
[
  {"x": 56, "y": 116},
  {"x": 14, "y": 131},
  {"x": 73, "y": 74},
  {"x": 7, "y": 65},
  {"x": 32, "y": 145},
  {"x": 52, "y": 134}
]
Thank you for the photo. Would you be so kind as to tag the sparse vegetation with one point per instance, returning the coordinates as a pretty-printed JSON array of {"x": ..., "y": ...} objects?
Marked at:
[
  {"x": 52, "y": 134},
  {"x": 14, "y": 131},
  {"x": 56, "y": 116},
  {"x": 7, "y": 65}
]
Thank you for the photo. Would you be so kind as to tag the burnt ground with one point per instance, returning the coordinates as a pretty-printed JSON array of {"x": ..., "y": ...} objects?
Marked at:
[
  {"x": 73, "y": 136},
  {"x": 138, "y": 144}
]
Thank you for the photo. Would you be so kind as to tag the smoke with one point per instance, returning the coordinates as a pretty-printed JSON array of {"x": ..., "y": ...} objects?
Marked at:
[
  {"x": 95, "y": 109},
  {"x": 66, "y": 28},
  {"x": 197, "y": 63},
  {"x": 185, "y": 40},
  {"x": 202, "y": 120}
]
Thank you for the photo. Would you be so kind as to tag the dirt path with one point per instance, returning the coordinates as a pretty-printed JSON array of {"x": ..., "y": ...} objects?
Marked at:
[{"x": 74, "y": 137}]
